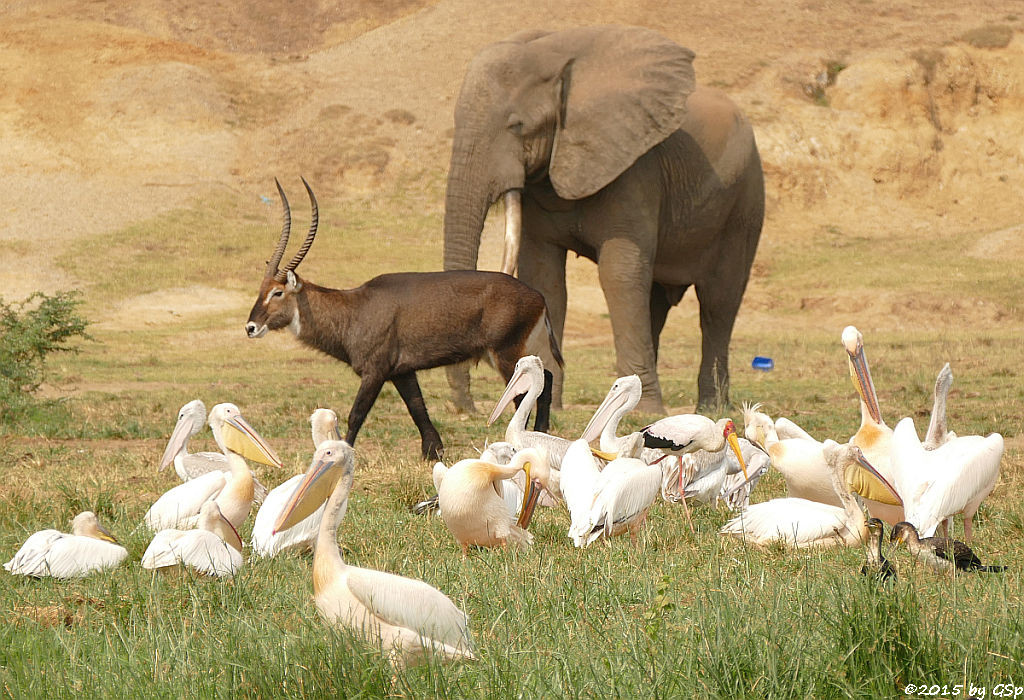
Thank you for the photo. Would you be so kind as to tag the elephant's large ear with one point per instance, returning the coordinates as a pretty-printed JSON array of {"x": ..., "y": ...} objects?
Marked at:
[{"x": 624, "y": 91}]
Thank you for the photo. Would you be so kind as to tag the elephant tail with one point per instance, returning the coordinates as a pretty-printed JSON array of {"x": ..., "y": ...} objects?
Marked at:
[{"x": 553, "y": 341}]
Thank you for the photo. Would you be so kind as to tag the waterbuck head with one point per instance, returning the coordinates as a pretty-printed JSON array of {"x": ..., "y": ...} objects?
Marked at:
[{"x": 276, "y": 305}]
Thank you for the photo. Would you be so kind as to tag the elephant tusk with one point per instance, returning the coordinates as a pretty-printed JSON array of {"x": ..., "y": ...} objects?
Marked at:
[{"x": 513, "y": 231}]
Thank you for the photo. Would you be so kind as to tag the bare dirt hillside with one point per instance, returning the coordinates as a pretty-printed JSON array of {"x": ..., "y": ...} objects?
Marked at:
[{"x": 111, "y": 113}]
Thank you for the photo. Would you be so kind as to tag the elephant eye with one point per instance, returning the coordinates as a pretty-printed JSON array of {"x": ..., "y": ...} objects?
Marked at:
[{"x": 514, "y": 124}]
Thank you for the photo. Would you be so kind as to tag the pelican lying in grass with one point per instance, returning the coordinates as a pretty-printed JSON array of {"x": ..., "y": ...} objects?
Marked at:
[
  {"x": 213, "y": 547},
  {"x": 188, "y": 466},
  {"x": 180, "y": 506},
  {"x": 407, "y": 617},
  {"x": 89, "y": 548},
  {"x": 953, "y": 478},
  {"x": 799, "y": 522},
  {"x": 472, "y": 496},
  {"x": 301, "y": 536}
]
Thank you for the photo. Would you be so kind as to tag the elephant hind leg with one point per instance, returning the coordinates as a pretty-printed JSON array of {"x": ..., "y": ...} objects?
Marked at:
[{"x": 458, "y": 380}]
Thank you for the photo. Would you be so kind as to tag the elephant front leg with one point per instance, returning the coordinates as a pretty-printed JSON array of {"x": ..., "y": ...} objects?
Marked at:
[{"x": 625, "y": 274}]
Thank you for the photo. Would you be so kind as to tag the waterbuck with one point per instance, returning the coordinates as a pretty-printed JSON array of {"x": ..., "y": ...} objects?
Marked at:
[{"x": 396, "y": 324}]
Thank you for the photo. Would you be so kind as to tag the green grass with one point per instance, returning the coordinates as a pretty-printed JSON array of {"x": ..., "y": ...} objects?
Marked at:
[{"x": 680, "y": 616}]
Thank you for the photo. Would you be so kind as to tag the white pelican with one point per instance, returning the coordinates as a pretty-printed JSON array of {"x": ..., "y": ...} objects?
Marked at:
[
  {"x": 759, "y": 428},
  {"x": 213, "y": 547},
  {"x": 191, "y": 419},
  {"x": 408, "y": 618},
  {"x": 953, "y": 478},
  {"x": 873, "y": 436},
  {"x": 799, "y": 522},
  {"x": 528, "y": 377},
  {"x": 942, "y": 554},
  {"x": 938, "y": 434},
  {"x": 89, "y": 548},
  {"x": 179, "y": 507},
  {"x": 606, "y": 502},
  {"x": 301, "y": 536},
  {"x": 472, "y": 497}
]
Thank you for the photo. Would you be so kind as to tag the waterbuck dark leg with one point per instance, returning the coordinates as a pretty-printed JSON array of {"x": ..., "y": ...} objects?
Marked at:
[
  {"x": 369, "y": 389},
  {"x": 409, "y": 390},
  {"x": 543, "y": 420}
]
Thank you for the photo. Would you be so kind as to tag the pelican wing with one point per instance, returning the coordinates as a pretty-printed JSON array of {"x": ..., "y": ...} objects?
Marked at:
[
  {"x": 579, "y": 475},
  {"x": 199, "y": 463},
  {"x": 30, "y": 560},
  {"x": 76, "y": 555},
  {"x": 200, "y": 549},
  {"x": 629, "y": 495},
  {"x": 181, "y": 504},
  {"x": 963, "y": 470},
  {"x": 796, "y": 521},
  {"x": 302, "y": 535},
  {"x": 410, "y": 604},
  {"x": 785, "y": 429}
]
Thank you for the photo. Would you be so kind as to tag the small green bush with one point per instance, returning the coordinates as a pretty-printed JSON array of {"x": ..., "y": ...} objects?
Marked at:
[{"x": 30, "y": 330}]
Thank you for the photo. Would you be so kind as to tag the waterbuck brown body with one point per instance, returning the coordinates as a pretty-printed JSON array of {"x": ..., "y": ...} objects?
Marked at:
[{"x": 399, "y": 323}]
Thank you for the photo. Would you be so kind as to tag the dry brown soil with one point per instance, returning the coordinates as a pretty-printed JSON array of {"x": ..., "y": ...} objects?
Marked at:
[{"x": 113, "y": 112}]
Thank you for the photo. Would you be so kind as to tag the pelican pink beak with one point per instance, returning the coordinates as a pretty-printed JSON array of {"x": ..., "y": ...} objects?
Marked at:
[
  {"x": 315, "y": 488},
  {"x": 618, "y": 398},
  {"x": 853, "y": 343},
  {"x": 520, "y": 383}
]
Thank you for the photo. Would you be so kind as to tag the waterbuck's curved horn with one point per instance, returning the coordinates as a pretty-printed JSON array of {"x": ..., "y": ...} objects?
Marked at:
[
  {"x": 282, "y": 242},
  {"x": 304, "y": 248}
]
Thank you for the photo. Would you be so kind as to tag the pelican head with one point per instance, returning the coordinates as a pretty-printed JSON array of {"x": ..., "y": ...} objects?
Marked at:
[
  {"x": 86, "y": 524},
  {"x": 853, "y": 343},
  {"x": 233, "y": 433},
  {"x": 191, "y": 419},
  {"x": 757, "y": 425},
  {"x": 529, "y": 372},
  {"x": 332, "y": 461},
  {"x": 324, "y": 423},
  {"x": 211, "y": 519},
  {"x": 622, "y": 398},
  {"x": 534, "y": 462}
]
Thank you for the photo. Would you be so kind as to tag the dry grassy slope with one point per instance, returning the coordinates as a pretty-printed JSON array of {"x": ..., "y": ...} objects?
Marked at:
[{"x": 110, "y": 115}]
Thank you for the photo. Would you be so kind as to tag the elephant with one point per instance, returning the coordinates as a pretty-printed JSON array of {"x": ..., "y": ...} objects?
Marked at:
[{"x": 600, "y": 143}]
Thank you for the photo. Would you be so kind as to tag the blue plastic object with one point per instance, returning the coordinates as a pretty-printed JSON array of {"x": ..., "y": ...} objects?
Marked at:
[{"x": 765, "y": 364}]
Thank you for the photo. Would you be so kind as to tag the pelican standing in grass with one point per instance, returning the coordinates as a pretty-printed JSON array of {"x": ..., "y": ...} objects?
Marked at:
[
  {"x": 301, "y": 536},
  {"x": 953, "y": 478},
  {"x": 799, "y": 522},
  {"x": 212, "y": 548},
  {"x": 188, "y": 466},
  {"x": 408, "y": 618},
  {"x": 473, "y": 506},
  {"x": 89, "y": 548},
  {"x": 622, "y": 398},
  {"x": 528, "y": 378},
  {"x": 942, "y": 554},
  {"x": 180, "y": 506},
  {"x": 609, "y": 502}
]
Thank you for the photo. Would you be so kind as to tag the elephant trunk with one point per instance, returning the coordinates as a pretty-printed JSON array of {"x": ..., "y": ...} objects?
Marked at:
[
  {"x": 466, "y": 202},
  {"x": 513, "y": 231}
]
